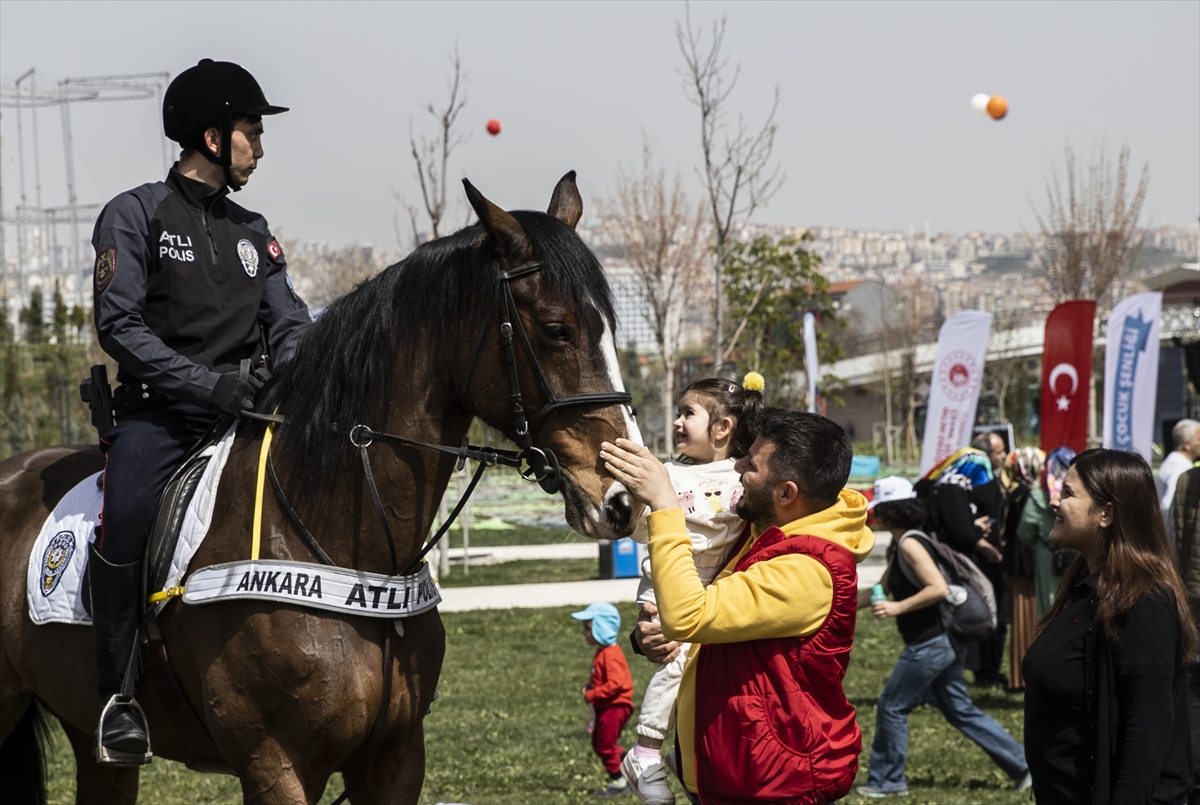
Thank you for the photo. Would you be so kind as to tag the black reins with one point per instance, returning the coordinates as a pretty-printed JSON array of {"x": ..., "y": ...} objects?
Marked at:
[{"x": 533, "y": 463}]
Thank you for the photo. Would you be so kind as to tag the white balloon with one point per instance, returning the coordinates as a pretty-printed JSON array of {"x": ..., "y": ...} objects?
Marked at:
[{"x": 979, "y": 103}]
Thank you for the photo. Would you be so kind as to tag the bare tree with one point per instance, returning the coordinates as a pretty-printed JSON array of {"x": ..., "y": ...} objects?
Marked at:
[
  {"x": 432, "y": 154},
  {"x": 322, "y": 277},
  {"x": 660, "y": 237},
  {"x": 737, "y": 175},
  {"x": 1089, "y": 228}
]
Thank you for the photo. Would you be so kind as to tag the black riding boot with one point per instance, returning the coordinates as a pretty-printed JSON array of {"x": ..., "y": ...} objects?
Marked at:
[{"x": 116, "y": 616}]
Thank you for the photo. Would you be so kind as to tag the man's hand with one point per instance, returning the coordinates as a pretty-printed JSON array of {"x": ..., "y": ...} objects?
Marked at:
[
  {"x": 643, "y": 475},
  {"x": 234, "y": 394},
  {"x": 648, "y": 634},
  {"x": 984, "y": 524},
  {"x": 989, "y": 552}
]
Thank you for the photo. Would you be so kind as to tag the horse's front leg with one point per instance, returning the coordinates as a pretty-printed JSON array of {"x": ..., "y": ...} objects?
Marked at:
[
  {"x": 396, "y": 773},
  {"x": 397, "y": 770}
]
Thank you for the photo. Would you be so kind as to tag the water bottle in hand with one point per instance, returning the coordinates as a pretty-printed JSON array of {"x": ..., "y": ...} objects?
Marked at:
[{"x": 877, "y": 594}]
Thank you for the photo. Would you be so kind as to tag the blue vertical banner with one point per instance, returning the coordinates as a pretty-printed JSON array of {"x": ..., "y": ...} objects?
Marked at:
[{"x": 1131, "y": 373}]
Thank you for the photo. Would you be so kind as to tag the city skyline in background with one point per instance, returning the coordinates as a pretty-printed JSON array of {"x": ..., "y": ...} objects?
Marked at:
[{"x": 874, "y": 132}]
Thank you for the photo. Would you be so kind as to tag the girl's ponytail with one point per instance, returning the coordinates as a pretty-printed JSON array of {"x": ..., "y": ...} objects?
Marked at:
[{"x": 752, "y": 403}]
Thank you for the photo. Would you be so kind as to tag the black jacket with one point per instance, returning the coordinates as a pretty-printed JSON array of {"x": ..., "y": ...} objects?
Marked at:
[
  {"x": 1105, "y": 723},
  {"x": 184, "y": 279}
]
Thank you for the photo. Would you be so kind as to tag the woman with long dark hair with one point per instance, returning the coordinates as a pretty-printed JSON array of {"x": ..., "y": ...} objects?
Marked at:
[{"x": 1105, "y": 713}]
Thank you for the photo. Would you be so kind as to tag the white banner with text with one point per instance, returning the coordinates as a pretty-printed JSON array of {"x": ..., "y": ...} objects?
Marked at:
[{"x": 954, "y": 387}]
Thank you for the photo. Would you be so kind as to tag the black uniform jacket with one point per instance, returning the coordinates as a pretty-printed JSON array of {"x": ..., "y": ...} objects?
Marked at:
[{"x": 184, "y": 279}]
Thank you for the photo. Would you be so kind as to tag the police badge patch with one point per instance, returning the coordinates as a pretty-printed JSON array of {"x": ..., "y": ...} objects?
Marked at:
[
  {"x": 106, "y": 266},
  {"x": 249, "y": 257},
  {"x": 56, "y": 559}
]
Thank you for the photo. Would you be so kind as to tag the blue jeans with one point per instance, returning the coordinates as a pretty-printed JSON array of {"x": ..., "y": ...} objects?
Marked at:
[{"x": 932, "y": 672}]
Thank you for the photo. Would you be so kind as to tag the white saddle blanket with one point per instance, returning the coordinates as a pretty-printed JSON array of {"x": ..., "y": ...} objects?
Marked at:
[{"x": 59, "y": 554}]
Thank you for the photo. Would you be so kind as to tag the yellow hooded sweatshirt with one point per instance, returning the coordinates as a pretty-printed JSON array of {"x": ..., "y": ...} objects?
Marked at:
[{"x": 788, "y": 596}]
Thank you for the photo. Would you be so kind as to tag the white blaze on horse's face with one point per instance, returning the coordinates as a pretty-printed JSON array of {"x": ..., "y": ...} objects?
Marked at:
[{"x": 617, "y": 497}]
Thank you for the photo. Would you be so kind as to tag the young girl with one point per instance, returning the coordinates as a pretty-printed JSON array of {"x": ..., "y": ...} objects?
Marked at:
[{"x": 712, "y": 431}]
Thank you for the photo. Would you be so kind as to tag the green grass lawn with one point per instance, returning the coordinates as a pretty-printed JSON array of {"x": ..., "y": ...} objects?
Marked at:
[
  {"x": 509, "y": 726},
  {"x": 523, "y": 571},
  {"x": 517, "y": 535}
]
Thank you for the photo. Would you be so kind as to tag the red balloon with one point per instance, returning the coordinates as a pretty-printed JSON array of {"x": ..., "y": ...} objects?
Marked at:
[{"x": 493, "y": 127}]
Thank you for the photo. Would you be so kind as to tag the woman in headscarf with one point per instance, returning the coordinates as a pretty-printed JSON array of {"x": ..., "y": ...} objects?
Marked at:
[
  {"x": 1050, "y": 561},
  {"x": 1022, "y": 470}
]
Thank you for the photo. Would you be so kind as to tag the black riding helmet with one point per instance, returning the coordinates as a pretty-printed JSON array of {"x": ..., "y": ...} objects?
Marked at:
[{"x": 213, "y": 93}]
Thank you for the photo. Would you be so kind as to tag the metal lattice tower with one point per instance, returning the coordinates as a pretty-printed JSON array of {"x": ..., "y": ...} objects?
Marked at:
[{"x": 40, "y": 262}]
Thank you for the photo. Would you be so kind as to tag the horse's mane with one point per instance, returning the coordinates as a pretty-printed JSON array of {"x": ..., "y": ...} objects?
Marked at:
[{"x": 342, "y": 371}]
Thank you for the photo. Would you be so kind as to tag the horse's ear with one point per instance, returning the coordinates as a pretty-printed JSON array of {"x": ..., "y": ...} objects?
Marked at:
[
  {"x": 510, "y": 236},
  {"x": 566, "y": 204}
]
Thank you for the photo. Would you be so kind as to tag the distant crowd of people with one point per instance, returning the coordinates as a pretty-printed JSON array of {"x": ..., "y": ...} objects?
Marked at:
[{"x": 1085, "y": 566}]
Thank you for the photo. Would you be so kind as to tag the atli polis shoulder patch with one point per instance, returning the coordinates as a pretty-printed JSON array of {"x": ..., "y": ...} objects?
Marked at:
[{"x": 106, "y": 266}]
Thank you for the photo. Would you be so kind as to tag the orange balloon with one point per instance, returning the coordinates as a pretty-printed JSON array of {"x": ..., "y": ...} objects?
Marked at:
[{"x": 997, "y": 107}]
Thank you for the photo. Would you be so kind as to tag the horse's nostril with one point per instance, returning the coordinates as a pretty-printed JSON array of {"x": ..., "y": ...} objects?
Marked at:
[{"x": 620, "y": 508}]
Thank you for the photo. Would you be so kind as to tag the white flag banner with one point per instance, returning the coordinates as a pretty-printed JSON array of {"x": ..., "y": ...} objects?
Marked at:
[
  {"x": 1131, "y": 372},
  {"x": 954, "y": 387},
  {"x": 811, "y": 368}
]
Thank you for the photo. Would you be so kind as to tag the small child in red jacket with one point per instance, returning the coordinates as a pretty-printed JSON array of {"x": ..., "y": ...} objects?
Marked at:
[{"x": 609, "y": 690}]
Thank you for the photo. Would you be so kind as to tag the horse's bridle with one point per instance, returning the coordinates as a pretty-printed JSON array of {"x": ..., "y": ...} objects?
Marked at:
[{"x": 541, "y": 464}]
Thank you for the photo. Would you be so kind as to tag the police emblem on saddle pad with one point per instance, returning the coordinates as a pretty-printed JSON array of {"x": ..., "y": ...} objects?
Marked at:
[
  {"x": 56, "y": 559},
  {"x": 249, "y": 257}
]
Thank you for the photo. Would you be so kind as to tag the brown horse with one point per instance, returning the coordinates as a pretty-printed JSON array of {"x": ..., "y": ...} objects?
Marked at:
[{"x": 289, "y": 695}]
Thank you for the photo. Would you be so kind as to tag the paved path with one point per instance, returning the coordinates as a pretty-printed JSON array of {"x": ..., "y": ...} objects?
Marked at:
[
  {"x": 572, "y": 593},
  {"x": 491, "y": 555}
]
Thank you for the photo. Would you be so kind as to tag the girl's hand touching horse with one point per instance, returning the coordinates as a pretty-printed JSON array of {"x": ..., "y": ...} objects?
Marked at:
[{"x": 643, "y": 475}]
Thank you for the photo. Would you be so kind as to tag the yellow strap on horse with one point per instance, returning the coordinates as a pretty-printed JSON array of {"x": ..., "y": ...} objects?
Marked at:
[
  {"x": 256, "y": 533},
  {"x": 173, "y": 592}
]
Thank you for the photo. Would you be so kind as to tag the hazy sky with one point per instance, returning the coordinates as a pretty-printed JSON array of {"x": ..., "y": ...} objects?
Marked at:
[{"x": 874, "y": 128}]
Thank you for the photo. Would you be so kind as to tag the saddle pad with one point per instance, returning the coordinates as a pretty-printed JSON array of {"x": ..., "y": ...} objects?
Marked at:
[
  {"x": 336, "y": 589},
  {"x": 55, "y": 576},
  {"x": 54, "y": 581}
]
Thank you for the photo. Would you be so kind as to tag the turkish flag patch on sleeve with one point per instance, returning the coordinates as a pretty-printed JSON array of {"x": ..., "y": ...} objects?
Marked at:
[{"x": 274, "y": 250}]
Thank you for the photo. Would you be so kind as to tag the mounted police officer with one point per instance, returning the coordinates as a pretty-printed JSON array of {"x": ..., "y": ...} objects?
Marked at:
[{"x": 187, "y": 285}]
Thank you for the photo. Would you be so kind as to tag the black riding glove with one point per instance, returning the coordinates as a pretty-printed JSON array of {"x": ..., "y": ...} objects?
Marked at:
[{"x": 234, "y": 394}]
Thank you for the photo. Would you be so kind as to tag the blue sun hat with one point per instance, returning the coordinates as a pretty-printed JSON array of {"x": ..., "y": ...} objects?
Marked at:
[{"x": 606, "y": 621}]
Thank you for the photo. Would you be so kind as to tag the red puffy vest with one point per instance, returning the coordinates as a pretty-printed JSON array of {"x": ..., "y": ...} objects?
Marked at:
[{"x": 772, "y": 722}]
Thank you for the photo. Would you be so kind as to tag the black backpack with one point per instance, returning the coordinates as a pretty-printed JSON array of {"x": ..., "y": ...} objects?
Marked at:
[{"x": 969, "y": 609}]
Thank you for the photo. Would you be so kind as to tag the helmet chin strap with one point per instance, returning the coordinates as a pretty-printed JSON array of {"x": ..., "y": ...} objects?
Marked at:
[{"x": 225, "y": 158}]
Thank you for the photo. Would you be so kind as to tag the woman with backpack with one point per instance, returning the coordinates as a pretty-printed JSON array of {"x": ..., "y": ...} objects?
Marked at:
[
  {"x": 931, "y": 665},
  {"x": 1105, "y": 709}
]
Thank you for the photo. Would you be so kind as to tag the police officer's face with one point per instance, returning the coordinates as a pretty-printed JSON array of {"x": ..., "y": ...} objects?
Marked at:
[{"x": 247, "y": 150}]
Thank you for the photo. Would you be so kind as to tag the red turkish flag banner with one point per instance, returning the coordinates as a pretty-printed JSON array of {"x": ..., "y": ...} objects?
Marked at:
[{"x": 1067, "y": 375}]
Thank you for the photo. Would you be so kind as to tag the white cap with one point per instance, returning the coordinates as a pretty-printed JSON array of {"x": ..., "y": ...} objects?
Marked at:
[{"x": 891, "y": 488}]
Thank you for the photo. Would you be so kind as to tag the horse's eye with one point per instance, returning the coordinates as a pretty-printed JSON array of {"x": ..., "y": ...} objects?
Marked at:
[{"x": 557, "y": 332}]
